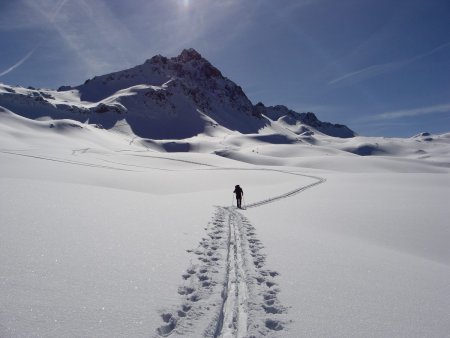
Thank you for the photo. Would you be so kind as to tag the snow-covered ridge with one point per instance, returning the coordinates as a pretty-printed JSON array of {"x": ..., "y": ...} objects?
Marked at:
[{"x": 165, "y": 98}]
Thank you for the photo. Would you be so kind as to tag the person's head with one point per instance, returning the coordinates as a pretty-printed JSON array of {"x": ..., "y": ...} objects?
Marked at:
[{"x": 237, "y": 186}]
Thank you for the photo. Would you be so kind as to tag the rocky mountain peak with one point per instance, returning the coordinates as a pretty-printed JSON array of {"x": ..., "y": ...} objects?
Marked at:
[
  {"x": 189, "y": 64},
  {"x": 187, "y": 55},
  {"x": 190, "y": 61},
  {"x": 157, "y": 59},
  {"x": 184, "y": 88}
]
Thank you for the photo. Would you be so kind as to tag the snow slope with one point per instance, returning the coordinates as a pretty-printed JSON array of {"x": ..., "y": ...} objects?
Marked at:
[
  {"x": 165, "y": 98},
  {"x": 107, "y": 234}
]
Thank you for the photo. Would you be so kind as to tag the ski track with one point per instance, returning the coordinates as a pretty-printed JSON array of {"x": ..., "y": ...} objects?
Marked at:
[
  {"x": 54, "y": 159},
  {"x": 228, "y": 285}
]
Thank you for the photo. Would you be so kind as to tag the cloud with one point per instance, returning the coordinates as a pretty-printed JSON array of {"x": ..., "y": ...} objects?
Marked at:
[
  {"x": 51, "y": 15},
  {"x": 97, "y": 37},
  {"x": 366, "y": 73},
  {"x": 378, "y": 69},
  {"x": 90, "y": 30},
  {"x": 199, "y": 23},
  {"x": 436, "y": 109},
  {"x": 17, "y": 64},
  {"x": 105, "y": 35}
]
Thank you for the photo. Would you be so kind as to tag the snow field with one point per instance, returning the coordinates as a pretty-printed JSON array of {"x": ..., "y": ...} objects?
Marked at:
[
  {"x": 103, "y": 236},
  {"x": 102, "y": 245},
  {"x": 367, "y": 254}
]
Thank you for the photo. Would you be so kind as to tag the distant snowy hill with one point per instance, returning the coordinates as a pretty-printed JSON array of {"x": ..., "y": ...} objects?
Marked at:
[{"x": 167, "y": 98}]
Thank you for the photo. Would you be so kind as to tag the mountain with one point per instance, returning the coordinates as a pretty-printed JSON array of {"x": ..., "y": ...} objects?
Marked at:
[{"x": 168, "y": 99}]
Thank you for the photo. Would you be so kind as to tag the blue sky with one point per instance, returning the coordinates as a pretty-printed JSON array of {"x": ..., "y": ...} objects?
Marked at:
[{"x": 380, "y": 66}]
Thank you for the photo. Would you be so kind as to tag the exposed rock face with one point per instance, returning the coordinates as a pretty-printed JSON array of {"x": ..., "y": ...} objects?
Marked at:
[
  {"x": 166, "y": 98},
  {"x": 294, "y": 121}
]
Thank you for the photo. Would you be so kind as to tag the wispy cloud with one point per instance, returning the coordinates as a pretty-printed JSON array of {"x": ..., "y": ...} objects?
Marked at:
[
  {"x": 17, "y": 64},
  {"x": 378, "y": 69},
  {"x": 366, "y": 73},
  {"x": 90, "y": 30},
  {"x": 51, "y": 15},
  {"x": 391, "y": 115},
  {"x": 106, "y": 35},
  {"x": 200, "y": 23}
]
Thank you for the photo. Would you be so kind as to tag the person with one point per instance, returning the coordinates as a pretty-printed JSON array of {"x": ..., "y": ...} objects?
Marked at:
[{"x": 239, "y": 193}]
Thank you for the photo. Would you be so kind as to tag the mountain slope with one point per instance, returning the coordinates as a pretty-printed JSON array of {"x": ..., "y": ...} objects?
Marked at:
[{"x": 166, "y": 98}]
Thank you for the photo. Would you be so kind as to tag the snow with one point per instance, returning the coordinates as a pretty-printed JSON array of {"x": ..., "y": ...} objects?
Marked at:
[
  {"x": 371, "y": 264},
  {"x": 117, "y": 216},
  {"x": 98, "y": 230},
  {"x": 177, "y": 98}
]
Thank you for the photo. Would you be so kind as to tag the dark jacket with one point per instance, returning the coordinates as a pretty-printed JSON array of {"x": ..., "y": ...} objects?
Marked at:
[{"x": 238, "y": 191}]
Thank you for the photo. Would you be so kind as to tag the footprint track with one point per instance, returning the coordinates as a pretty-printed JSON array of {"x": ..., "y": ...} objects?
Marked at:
[
  {"x": 230, "y": 285},
  {"x": 198, "y": 291}
]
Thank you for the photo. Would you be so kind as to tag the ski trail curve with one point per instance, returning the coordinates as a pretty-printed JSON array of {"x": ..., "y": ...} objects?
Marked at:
[
  {"x": 227, "y": 291},
  {"x": 318, "y": 180}
]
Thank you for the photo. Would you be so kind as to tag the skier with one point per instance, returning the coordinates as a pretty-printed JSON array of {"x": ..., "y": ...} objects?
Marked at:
[{"x": 239, "y": 193}]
